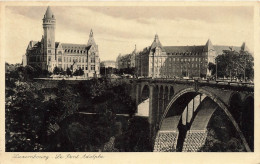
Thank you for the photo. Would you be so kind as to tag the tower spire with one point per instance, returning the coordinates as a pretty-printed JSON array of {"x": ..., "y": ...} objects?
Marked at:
[
  {"x": 157, "y": 43},
  {"x": 91, "y": 40},
  {"x": 49, "y": 14},
  {"x": 91, "y": 33},
  {"x": 208, "y": 46}
]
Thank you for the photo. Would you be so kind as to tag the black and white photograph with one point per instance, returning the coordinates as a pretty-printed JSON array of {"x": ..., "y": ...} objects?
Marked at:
[{"x": 129, "y": 78}]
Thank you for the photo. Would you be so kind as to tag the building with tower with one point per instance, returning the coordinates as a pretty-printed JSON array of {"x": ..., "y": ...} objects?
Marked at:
[
  {"x": 160, "y": 61},
  {"x": 49, "y": 54}
]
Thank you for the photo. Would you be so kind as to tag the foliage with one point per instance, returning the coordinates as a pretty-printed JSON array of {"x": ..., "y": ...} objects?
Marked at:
[
  {"x": 130, "y": 71},
  {"x": 234, "y": 64},
  {"x": 66, "y": 100},
  {"x": 29, "y": 114},
  {"x": 222, "y": 136},
  {"x": 78, "y": 72},
  {"x": 24, "y": 118},
  {"x": 212, "y": 68},
  {"x": 56, "y": 70},
  {"x": 68, "y": 72}
]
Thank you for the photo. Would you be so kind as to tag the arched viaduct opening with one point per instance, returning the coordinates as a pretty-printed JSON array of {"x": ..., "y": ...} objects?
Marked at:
[
  {"x": 173, "y": 117},
  {"x": 143, "y": 104}
]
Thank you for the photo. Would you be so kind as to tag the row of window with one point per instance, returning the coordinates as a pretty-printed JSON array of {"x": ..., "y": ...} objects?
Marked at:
[
  {"x": 76, "y": 59},
  {"x": 185, "y": 53},
  {"x": 74, "y": 51},
  {"x": 65, "y": 66},
  {"x": 180, "y": 59},
  {"x": 181, "y": 66}
]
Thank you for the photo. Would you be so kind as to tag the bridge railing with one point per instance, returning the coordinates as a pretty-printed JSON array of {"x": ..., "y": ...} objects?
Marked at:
[{"x": 201, "y": 81}]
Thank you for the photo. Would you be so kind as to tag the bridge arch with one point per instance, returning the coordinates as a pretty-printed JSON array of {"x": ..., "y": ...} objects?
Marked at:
[
  {"x": 235, "y": 97},
  {"x": 192, "y": 91},
  {"x": 145, "y": 92}
]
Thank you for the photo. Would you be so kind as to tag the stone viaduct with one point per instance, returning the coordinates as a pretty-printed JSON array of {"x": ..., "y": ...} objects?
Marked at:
[{"x": 180, "y": 110}]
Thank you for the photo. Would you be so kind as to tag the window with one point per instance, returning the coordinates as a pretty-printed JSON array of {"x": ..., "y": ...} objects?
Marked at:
[
  {"x": 92, "y": 59},
  {"x": 92, "y": 67},
  {"x": 49, "y": 51},
  {"x": 64, "y": 59},
  {"x": 49, "y": 58},
  {"x": 80, "y": 59},
  {"x": 49, "y": 45},
  {"x": 86, "y": 68},
  {"x": 59, "y": 59}
]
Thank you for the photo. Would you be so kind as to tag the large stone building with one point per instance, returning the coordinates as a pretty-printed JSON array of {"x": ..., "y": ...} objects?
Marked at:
[
  {"x": 49, "y": 54},
  {"x": 178, "y": 61}
]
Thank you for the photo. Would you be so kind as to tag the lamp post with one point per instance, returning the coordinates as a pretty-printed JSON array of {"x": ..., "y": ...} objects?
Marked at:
[
  {"x": 187, "y": 69},
  {"x": 216, "y": 61},
  {"x": 245, "y": 71},
  {"x": 199, "y": 69}
]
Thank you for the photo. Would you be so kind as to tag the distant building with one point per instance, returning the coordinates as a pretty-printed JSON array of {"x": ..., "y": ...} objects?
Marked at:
[
  {"x": 178, "y": 61},
  {"x": 49, "y": 54},
  {"x": 24, "y": 61},
  {"x": 108, "y": 64},
  {"x": 126, "y": 61}
]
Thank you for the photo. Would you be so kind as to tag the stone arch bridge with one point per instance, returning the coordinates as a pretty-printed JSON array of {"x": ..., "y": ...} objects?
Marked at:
[{"x": 180, "y": 110}]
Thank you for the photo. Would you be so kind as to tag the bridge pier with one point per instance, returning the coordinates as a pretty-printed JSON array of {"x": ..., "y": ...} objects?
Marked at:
[
  {"x": 194, "y": 140},
  {"x": 166, "y": 141}
]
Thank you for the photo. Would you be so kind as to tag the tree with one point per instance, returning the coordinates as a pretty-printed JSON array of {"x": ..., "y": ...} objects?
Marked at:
[
  {"x": 235, "y": 64},
  {"x": 68, "y": 72},
  {"x": 25, "y": 111},
  {"x": 56, "y": 70},
  {"x": 81, "y": 72},
  {"x": 212, "y": 68},
  {"x": 66, "y": 100}
]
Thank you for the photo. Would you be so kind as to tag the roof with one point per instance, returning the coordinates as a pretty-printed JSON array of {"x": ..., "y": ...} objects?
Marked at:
[
  {"x": 48, "y": 13},
  {"x": 219, "y": 49},
  {"x": 181, "y": 49},
  {"x": 75, "y": 46},
  {"x": 208, "y": 46},
  {"x": 33, "y": 44},
  {"x": 157, "y": 43}
]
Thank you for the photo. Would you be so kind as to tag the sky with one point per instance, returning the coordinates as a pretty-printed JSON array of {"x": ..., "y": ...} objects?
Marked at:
[{"x": 118, "y": 29}]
